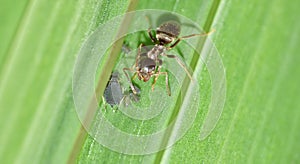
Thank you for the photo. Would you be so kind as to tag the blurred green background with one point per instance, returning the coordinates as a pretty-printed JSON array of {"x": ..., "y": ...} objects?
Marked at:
[{"x": 259, "y": 44}]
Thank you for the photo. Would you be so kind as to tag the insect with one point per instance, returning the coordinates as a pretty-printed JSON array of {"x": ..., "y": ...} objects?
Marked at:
[
  {"x": 114, "y": 95},
  {"x": 149, "y": 64}
]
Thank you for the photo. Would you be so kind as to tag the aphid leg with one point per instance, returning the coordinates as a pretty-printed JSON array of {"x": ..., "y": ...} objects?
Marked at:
[
  {"x": 128, "y": 79},
  {"x": 124, "y": 101},
  {"x": 189, "y": 36},
  {"x": 104, "y": 103},
  {"x": 181, "y": 64},
  {"x": 135, "y": 97},
  {"x": 167, "y": 81},
  {"x": 115, "y": 109},
  {"x": 150, "y": 32},
  {"x": 126, "y": 49}
]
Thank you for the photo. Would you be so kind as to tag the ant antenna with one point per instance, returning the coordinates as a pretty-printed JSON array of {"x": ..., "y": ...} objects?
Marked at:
[
  {"x": 202, "y": 34},
  {"x": 189, "y": 36}
]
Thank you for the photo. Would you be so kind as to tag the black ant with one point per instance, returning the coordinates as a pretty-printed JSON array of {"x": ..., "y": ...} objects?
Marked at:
[{"x": 148, "y": 64}]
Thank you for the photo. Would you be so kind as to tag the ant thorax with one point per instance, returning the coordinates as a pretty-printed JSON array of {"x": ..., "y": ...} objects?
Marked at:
[{"x": 156, "y": 51}]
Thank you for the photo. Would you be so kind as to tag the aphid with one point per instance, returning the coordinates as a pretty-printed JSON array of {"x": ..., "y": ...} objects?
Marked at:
[
  {"x": 114, "y": 94},
  {"x": 149, "y": 64}
]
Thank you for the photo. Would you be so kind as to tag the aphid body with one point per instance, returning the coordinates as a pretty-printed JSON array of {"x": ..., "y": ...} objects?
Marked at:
[{"x": 114, "y": 94}]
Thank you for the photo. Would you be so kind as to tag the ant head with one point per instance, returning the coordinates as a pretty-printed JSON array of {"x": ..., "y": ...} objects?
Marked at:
[{"x": 146, "y": 69}]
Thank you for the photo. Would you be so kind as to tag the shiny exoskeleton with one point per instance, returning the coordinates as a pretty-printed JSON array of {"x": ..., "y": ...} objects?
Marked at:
[{"x": 148, "y": 63}]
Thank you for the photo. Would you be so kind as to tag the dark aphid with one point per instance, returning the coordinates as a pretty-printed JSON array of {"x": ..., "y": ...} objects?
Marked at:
[
  {"x": 114, "y": 94},
  {"x": 149, "y": 64}
]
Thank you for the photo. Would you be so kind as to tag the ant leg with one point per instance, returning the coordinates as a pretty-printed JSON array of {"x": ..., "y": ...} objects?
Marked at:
[
  {"x": 138, "y": 55},
  {"x": 128, "y": 79},
  {"x": 181, "y": 64},
  {"x": 151, "y": 36},
  {"x": 189, "y": 36},
  {"x": 173, "y": 45},
  {"x": 134, "y": 76},
  {"x": 159, "y": 61},
  {"x": 150, "y": 32},
  {"x": 155, "y": 79},
  {"x": 167, "y": 81}
]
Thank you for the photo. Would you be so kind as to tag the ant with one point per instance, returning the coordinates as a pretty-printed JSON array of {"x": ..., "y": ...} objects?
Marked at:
[{"x": 149, "y": 64}]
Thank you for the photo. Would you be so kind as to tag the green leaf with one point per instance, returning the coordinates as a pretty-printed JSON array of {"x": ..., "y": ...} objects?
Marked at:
[
  {"x": 259, "y": 45},
  {"x": 38, "y": 120}
]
